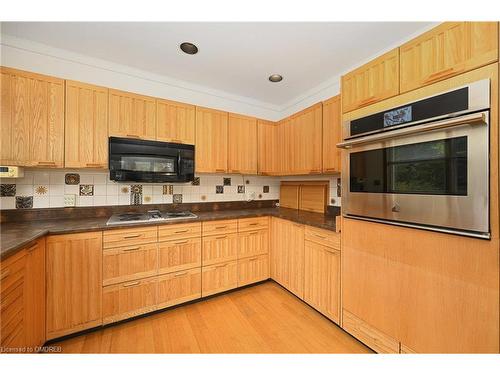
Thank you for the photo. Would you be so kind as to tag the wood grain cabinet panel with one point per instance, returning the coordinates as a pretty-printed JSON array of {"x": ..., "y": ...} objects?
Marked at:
[
  {"x": 242, "y": 144},
  {"x": 286, "y": 146},
  {"x": 175, "y": 122},
  {"x": 332, "y": 135},
  {"x": 268, "y": 150},
  {"x": 322, "y": 279},
  {"x": 219, "y": 248},
  {"x": 86, "y": 126},
  {"x": 125, "y": 300},
  {"x": 179, "y": 231},
  {"x": 253, "y": 243},
  {"x": 179, "y": 255},
  {"x": 253, "y": 223},
  {"x": 32, "y": 114},
  {"x": 372, "y": 82},
  {"x": 289, "y": 196},
  {"x": 179, "y": 287},
  {"x": 131, "y": 115},
  {"x": 253, "y": 269},
  {"x": 447, "y": 50},
  {"x": 129, "y": 263},
  {"x": 323, "y": 237},
  {"x": 211, "y": 141},
  {"x": 211, "y": 228},
  {"x": 74, "y": 283},
  {"x": 129, "y": 236},
  {"x": 219, "y": 278}
]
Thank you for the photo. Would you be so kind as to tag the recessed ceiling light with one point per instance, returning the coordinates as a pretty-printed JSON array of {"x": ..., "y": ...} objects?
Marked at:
[
  {"x": 275, "y": 77},
  {"x": 189, "y": 48}
]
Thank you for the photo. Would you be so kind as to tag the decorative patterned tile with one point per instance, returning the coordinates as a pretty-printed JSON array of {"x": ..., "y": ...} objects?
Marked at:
[
  {"x": 41, "y": 190},
  {"x": 241, "y": 189},
  {"x": 147, "y": 199},
  {"x": 125, "y": 190},
  {"x": 7, "y": 190},
  {"x": 86, "y": 190},
  {"x": 196, "y": 181},
  {"x": 203, "y": 197},
  {"x": 247, "y": 182},
  {"x": 177, "y": 198},
  {"x": 227, "y": 181},
  {"x": 72, "y": 178},
  {"x": 219, "y": 189},
  {"x": 265, "y": 189},
  {"x": 137, "y": 189},
  {"x": 135, "y": 198},
  {"x": 24, "y": 202},
  {"x": 168, "y": 189}
]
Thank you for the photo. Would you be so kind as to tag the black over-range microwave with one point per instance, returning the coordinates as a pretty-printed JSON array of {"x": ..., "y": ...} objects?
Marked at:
[{"x": 137, "y": 160}]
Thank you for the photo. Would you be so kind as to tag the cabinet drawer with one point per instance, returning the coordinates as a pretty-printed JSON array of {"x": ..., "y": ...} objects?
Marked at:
[
  {"x": 125, "y": 300},
  {"x": 129, "y": 237},
  {"x": 253, "y": 269},
  {"x": 323, "y": 237},
  {"x": 221, "y": 248},
  {"x": 220, "y": 227},
  {"x": 253, "y": 223},
  {"x": 253, "y": 243},
  {"x": 178, "y": 231},
  {"x": 179, "y": 255},
  {"x": 12, "y": 273},
  {"x": 129, "y": 263},
  {"x": 369, "y": 335},
  {"x": 179, "y": 287},
  {"x": 218, "y": 278}
]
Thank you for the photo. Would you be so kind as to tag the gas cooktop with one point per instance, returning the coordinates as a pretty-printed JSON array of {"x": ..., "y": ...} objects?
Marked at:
[{"x": 150, "y": 216}]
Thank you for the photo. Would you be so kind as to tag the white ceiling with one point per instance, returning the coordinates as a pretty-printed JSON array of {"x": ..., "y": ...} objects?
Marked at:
[{"x": 233, "y": 57}]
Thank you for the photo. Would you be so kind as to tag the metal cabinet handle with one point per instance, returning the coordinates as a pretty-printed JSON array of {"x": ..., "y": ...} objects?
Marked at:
[
  {"x": 317, "y": 235},
  {"x": 181, "y": 242},
  {"x": 132, "y": 236},
  {"x": 126, "y": 285},
  {"x": 180, "y": 274},
  {"x": 253, "y": 259},
  {"x": 225, "y": 226},
  {"x": 221, "y": 266},
  {"x": 182, "y": 231},
  {"x": 133, "y": 136},
  {"x": 132, "y": 249},
  {"x": 220, "y": 238},
  {"x": 220, "y": 170},
  {"x": 253, "y": 224}
]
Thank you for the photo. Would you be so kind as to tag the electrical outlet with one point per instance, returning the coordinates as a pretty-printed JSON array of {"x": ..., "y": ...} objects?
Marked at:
[{"x": 69, "y": 200}]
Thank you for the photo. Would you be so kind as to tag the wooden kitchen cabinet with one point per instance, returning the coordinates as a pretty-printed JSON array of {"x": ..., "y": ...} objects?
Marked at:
[
  {"x": 447, "y": 50},
  {"x": 175, "y": 122},
  {"x": 74, "y": 283},
  {"x": 242, "y": 144},
  {"x": 129, "y": 236},
  {"x": 253, "y": 269},
  {"x": 287, "y": 255},
  {"x": 86, "y": 126},
  {"x": 211, "y": 141},
  {"x": 219, "y": 278},
  {"x": 322, "y": 279},
  {"x": 286, "y": 146},
  {"x": 372, "y": 82},
  {"x": 32, "y": 117},
  {"x": 268, "y": 160},
  {"x": 131, "y": 115},
  {"x": 219, "y": 248},
  {"x": 332, "y": 134},
  {"x": 179, "y": 287},
  {"x": 253, "y": 243},
  {"x": 178, "y": 255}
]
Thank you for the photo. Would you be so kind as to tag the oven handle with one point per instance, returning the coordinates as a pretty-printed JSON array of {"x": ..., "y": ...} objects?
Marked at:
[{"x": 473, "y": 119}]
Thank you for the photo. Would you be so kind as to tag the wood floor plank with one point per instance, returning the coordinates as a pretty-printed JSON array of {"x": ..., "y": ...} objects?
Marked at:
[{"x": 261, "y": 319}]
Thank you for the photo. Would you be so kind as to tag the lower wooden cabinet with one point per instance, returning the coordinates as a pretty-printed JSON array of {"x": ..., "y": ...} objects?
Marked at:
[
  {"x": 179, "y": 287},
  {"x": 179, "y": 255},
  {"x": 253, "y": 269},
  {"x": 253, "y": 243},
  {"x": 74, "y": 283},
  {"x": 125, "y": 300},
  {"x": 219, "y": 278},
  {"x": 220, "y": 248},
  {"x": 322, "y": 279}
]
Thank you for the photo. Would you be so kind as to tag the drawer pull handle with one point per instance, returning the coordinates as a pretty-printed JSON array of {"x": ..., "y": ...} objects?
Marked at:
[
  {"x": 131, "y": 284},
  {"x": 181, "y": 242},
  {"x": 133, "y": 136},
  {"x": 5, "y": 274},
  {"x": 132, "y": 236},
  {"x": 132, "y": 249},
  {"x": 253, "y": 259},
  {"x": 221, "y": 266},
  {"x": 95, "y": 165},
  {"x": 182, "y": 231},
  {"x": 442, "y": 74},
  {"x": 222, "y": 227},
  {"x": 46, "y": 163},
  {"x": 253, "y": 233},
  {"x": 220, "y": 238},
  {"x": 317, "y": 235},
  {"x": 369, "y": 100},
  {"x": 253, "y": 224},
  {"x": 220, "y": 170},
  {"x": 181, "y": 274}
]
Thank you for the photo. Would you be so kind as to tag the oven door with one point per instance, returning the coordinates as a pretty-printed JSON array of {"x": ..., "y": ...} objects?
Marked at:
[{"x": 434, "y": 176}]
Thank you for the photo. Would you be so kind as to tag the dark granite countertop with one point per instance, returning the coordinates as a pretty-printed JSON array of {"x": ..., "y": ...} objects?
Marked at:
[{"x": 15, "y": 235}]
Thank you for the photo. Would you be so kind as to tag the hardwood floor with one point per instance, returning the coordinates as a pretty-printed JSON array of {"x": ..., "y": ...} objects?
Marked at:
[{"x": 261, "y": 319}]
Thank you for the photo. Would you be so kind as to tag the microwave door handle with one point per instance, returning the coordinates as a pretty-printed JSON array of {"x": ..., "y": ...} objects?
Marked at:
[{"x": 178, "y": 163}]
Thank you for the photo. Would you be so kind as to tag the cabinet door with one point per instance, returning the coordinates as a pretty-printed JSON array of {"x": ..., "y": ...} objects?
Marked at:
[
  {"x": 268, "y": 160},
  {"x": 221, "y": 248},
  {"x": 218, "y": 278},
  {"x": 253, "y": 269},
  {"x": 242, "y": 144},
  {"x": 253, "y": 243},
  {"x": 74, "y": 283},
  {"x": 211, "y": 140},
  {"x": 86, "y": 136},
  {"x": 131, "y": 115},
  {"x": 372, "y": 82},
  {"x": 179, "y": 287},
  {"x": 179, "y": 255},
  {"x": 32, "y": 119},
  {"x": 322, "y": 279},
  {"x": 307, "y": 135},
  {"x": 447, "y": 50},
  {"x": 286, "y": 146},
  {"x": 175, "y": 122},
  {"x": 332, "y": 134}
]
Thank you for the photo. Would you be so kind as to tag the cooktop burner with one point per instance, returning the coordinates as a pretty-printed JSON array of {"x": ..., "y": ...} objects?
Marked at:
[{"x": 153, "y": 215}]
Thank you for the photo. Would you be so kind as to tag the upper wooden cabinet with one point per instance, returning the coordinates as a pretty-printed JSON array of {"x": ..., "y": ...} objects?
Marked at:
[
  {"x": 268, "y": 160},
  {"x": 447, "y": 50},
  {"x": 86, "y": 135},
  {"x": 211, "y": 140},
  {"x": 131, "y": 115},
  {"x": 372, "y": 82},
  {"x": 242, "y": 144},
  {"x": 286, "y": 146},
  {"x": 332, "y": 134},
  {"x": 175, "y": 122},
  {"x": 307, "y": 135},
  {"x": 32, "y": 116}
]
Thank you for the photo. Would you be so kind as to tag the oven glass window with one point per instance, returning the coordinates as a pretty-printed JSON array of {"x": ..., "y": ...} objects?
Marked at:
[
  {"x": 435, "y": 167},
  {"x": 148, "y": 164}
]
